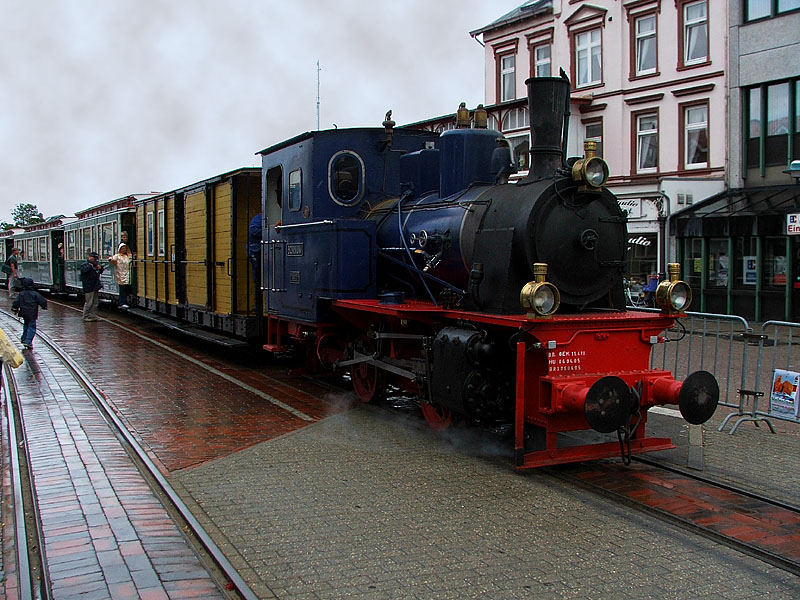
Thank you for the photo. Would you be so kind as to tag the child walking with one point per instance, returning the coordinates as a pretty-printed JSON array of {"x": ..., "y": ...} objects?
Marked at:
[{"x": 27, "y": 303}]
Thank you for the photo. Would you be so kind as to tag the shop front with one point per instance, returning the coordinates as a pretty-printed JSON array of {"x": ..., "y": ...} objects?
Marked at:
[{"x": 737, "y": 253}]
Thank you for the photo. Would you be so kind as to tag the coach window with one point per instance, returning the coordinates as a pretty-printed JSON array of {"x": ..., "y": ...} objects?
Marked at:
[
  {"x": 150, "y": 234},
  {"x": 161, "y": 233},
  {"x": 43, "y": 248},
  {"x": 107, "y": 238},
  {"x": 346, "y": 178},
  {"x": 86, "y": 239},
  {"x": 295, "y": 189},
  {"x": 71, "y": 245}
]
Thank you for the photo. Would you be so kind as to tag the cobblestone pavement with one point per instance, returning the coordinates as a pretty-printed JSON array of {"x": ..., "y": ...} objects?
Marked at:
[
  {"x": 363, "y": 506},
  {"x": 365, "y": 503}
]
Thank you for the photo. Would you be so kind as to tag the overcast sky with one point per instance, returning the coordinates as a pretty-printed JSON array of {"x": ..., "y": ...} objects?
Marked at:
[{"x": 104, "y": 98}]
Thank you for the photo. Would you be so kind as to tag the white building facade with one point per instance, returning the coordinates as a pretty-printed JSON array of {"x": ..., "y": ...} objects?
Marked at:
[{"x": 648, "y": 84}]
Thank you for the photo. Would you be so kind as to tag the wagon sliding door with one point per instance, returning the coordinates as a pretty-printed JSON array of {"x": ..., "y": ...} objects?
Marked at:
[
  {"x": 222, "y": 251},
  {"x": 196, "y": 256}
]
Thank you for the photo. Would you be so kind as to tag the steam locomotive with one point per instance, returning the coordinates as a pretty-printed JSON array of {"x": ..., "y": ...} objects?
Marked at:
[{"x": 407, "y": 260}]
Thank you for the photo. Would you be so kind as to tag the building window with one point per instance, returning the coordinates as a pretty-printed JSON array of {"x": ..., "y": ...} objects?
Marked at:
[
  {"x": 521, "y": 148},
  {"x": 646, "y": 143},
  {"x": 695, "y": 136},
  {"x": 588, "y": 58},
  {"x": 685, "y": 198},
  {"x": 695, "y": 33},
  {"x": 645, "y": 45},
  {"x": 774, "y": 263},
  {"x": 718, "y": 263},
  {"x": 516, "y": 118},
  {"x": 507, "y": 77},
  {"x": 594, "y": 133},
  {"x": 759, "y": 9},
  {"x": 772, "y": 118},
  {"x": 541, "y": 61}
]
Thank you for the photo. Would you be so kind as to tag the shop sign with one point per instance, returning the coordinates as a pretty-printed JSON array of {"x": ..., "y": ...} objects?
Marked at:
[
  {"x": 793, "y": 224},
  {"x": 749, "y": 269},
  {"x": 783, "y": 398},
  {"x": 639, "y": 241}
]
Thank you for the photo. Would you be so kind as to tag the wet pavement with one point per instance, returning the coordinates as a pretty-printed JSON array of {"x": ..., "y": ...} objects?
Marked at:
[
  {"x": 313, "y": 496},
  {"x": 105, "y": 532}
]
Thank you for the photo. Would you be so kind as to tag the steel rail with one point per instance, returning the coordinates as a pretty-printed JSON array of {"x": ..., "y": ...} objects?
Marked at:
[
  {"x": 216, "y": 554},
  {"x": 27, "y": 590},
  {"x": 752, "y": 550},
  {"x": 725, "y": 486}
]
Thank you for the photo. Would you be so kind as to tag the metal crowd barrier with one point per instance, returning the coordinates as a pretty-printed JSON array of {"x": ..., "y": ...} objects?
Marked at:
[{"x": 747, "y": 364}]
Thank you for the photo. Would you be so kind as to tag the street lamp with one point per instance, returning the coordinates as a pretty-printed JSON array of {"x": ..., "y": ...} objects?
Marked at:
[{"x": 794, "y": 170}]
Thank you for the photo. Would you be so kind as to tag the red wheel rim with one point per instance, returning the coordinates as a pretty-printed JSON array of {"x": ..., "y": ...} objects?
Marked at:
[
  {"x": 438, "y": 417},
  {"x": 365, "y": 382}
]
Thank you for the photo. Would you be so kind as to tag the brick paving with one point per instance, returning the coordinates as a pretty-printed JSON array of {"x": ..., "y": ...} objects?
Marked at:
[
  {"x": 106, "y": 534},
  {"x": 180, "y": 412}
]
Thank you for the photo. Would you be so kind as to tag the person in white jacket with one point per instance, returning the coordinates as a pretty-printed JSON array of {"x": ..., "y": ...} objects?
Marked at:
[{"x": 122, "y": 262}]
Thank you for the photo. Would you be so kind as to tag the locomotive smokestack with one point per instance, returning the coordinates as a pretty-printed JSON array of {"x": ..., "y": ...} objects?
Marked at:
[{"x": 548, "y": 105}]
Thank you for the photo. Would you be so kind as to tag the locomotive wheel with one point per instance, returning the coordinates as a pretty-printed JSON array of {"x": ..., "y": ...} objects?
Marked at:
[
  {"x": 439, "y": 418},
  {"x": 369, "y": 382},
  {"x": 329, "y": 350}
]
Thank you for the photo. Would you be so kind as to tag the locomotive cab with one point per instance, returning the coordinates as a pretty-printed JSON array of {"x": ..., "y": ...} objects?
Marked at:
[{"x": 316, "y": 187}]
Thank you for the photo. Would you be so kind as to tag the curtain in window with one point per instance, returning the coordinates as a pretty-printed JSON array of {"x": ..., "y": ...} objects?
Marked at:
[
  {"x": 646, "y": 44},
  {"x": 648, "y": 142},
  {"x": 696, "y": 135},
  {"x": 696, "y": 32}
]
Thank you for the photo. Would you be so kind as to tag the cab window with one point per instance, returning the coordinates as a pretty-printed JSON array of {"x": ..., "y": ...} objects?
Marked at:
[
  {"x": 295, "y": 189},
  {"x": 346, "y": 174}
]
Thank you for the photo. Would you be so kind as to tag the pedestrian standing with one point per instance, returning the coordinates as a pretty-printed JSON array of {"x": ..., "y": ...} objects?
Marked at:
[
  {"x": 90, "y": 278},
  {"x": 122, "y": 273},
  {"x": 27, "y": 303},
  {"x": 13, "y": 274}
]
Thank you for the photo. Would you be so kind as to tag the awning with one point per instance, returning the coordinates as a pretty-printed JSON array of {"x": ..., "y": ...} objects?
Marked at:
[{"x": 738, "y": 211}]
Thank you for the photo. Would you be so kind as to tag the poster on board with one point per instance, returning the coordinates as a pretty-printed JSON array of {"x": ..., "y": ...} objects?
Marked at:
[
  {"x": 749, "y": 269},
  {"x": 783, "y": 397}
]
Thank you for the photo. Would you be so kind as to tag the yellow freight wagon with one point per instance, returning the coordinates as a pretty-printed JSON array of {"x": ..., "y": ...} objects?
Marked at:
[{"x": 193, "y": 253}]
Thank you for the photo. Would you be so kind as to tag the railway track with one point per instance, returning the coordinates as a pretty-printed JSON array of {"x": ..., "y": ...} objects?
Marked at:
[
  {"x": 31, "y": 556},
  {"x": 748, "y": 522}
]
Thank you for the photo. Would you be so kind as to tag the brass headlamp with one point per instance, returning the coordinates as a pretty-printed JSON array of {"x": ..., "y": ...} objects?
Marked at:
[
  {"x": 539, "y": 298},
  {"x": 591, "y": 171},
  {"x": 673, "y": 295}
]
